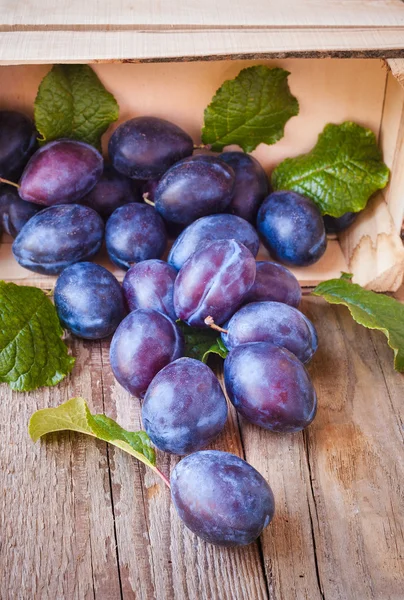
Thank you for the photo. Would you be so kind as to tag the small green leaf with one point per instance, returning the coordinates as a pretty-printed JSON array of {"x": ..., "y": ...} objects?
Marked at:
[
  {"x": 74, "y": 415},
  {"x": 340, "y": 173},
  {"x": 217, "y": 348},
  {"x": 374, "y": 311},
  {"x": 250, "y": 109},
  {"x": 32, "y": 353},
  {"x": 200, "y": 343},
  {"x": 72, "y": 103}
]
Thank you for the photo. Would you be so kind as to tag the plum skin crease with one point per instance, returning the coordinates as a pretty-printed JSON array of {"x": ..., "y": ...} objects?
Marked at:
[
  {"x": 208, "y": 229},
  {"x": 270, "y": 387},
  {"x": 221, "y": 498},
  {"x": 89, "y": 301},
  {"x": 184, "y": 408},
  {"x": 213, "y": 282}
]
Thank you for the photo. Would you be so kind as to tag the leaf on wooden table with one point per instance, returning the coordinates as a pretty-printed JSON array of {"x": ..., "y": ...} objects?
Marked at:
[
  {"x": 374, "y": 311},
  {"x": 32, "y": 353}
]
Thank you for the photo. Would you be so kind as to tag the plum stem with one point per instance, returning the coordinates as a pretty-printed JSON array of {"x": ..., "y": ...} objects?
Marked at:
[
  {"x": 163, "y": 477},
  {"x": 202, "y": 146},
  {"x": 146, "y": 199},
  {"x": 211, "y": 323},
  {"x": 8, "y": 182}
]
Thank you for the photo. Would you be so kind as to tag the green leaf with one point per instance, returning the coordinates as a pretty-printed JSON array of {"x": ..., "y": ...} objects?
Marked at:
[
  {"x": 32, "y": 353},
  {"x": 74, "y": 415},
  {"x": 250, "y": 109},
  {"x": 340, "y": 173},
  {"x": 72, "y": 103},
  {"x": 200, "y": 343},
  {"x": 374, "y": 311}
]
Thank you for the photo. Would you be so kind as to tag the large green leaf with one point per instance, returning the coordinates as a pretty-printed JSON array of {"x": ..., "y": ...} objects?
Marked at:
[
  {"x": 72, "y": 103},
  {"x": 340, "y": 173},
  {"x": 32, "y": 353},
  {"x": 74, "y": 415},
  {"x": 374, "y": 311},
  {"x": 250, "y": 109}
]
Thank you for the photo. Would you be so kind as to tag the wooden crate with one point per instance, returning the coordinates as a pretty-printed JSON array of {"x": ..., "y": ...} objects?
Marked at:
[
  {"x": 362, "y": 89},
  {"x": 81, "y": 520}
]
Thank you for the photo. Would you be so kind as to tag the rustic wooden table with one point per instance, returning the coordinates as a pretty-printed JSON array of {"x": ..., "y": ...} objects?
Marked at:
[{"x": 80, "y": 519}]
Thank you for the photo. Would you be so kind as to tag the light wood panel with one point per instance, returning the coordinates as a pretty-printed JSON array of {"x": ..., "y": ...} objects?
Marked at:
[
  {"x": 35, "y": 47},
  {"x": 190, "y": 13}
]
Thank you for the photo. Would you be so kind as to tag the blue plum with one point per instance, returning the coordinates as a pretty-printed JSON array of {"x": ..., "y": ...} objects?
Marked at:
[
  {"x": 292, "y": 228},
  {"x": 208, "y": 229},
  {"x": 270, "y": 387},
  {"x": 184, "y": 408},
  {"x": 89, "y": 301},
  {"x": 274, "y": 322},
  {"x": 251, "y": 187},
  {"x": 150, "y": 284},
  {"x": 14, "y": 212},
  {"x": 135, "y": 232},
  {"x": 274, "y": 282},
  {"x": 213, "y": 282},
  {"x": 57, "y": 237},
  {"x": 221, "y": 498},
  {"x": 145, "y": 147},
  {"x": 194, "y": 187},
  {"x": 17, "y": 143},
  {"x": 61, "y": 172},
  {"x": 144, "y": 343},
  {"x": 337, "y": 224},
  {"x": 110, "y": 192}
]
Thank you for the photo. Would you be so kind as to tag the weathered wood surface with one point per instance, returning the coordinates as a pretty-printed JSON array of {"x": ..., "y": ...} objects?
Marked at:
[{"x": 79, "y": 519}]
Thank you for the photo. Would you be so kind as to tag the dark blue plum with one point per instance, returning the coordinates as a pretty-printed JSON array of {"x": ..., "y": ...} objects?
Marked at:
[
  {"x": 270, "y": 387},
  {"x": 221, "y": 498},
  {"x": 184, "y": 409},
  {"x": 208, "y": 229},
  {"x": 292, "y": 228},
  {"x": 61, "y": 172},
  {"x": 135, "y": 232},
  {"x": 17, "y": 143},
  {"x": 150, "y": 284},
  {"x": 144, "y": 343},
  {"x": 274, "y": 282},
  {"x": 112, "y": 191},
  {"x": 213, "y": 282},
  {"x": 337, "y": 224},
  {"x": 89, "y": 301},
  {"x": 194, "y": 187},
  {"x": 14, "y": 212},
  {"x": 251, "y": 187},
  {"x": 57, "y": 237},
  {"x": 145, "y": 147},
  {"x": 273, "y": 322}
]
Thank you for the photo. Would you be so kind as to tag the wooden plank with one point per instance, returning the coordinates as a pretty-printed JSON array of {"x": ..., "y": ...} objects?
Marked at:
[
  {"x": 355, "y": 451},
  {"x": 151, "y": 13},
  {"x": 171, "y": 563},
  {"x": 47, "y": 47},
  {"x": 56, "y": 523}
]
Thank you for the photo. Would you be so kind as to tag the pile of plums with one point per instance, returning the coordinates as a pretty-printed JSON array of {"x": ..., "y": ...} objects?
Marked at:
[{"x": 68, "y": 202}]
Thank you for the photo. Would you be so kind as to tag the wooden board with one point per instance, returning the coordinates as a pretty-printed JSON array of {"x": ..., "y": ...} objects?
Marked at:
[
  {"x": 184, "y": 30},
  {"x": 79, "y": 519}
]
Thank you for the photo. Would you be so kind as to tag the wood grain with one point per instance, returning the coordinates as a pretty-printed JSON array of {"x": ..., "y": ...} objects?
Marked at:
[{"x": 83, "y": 520}]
